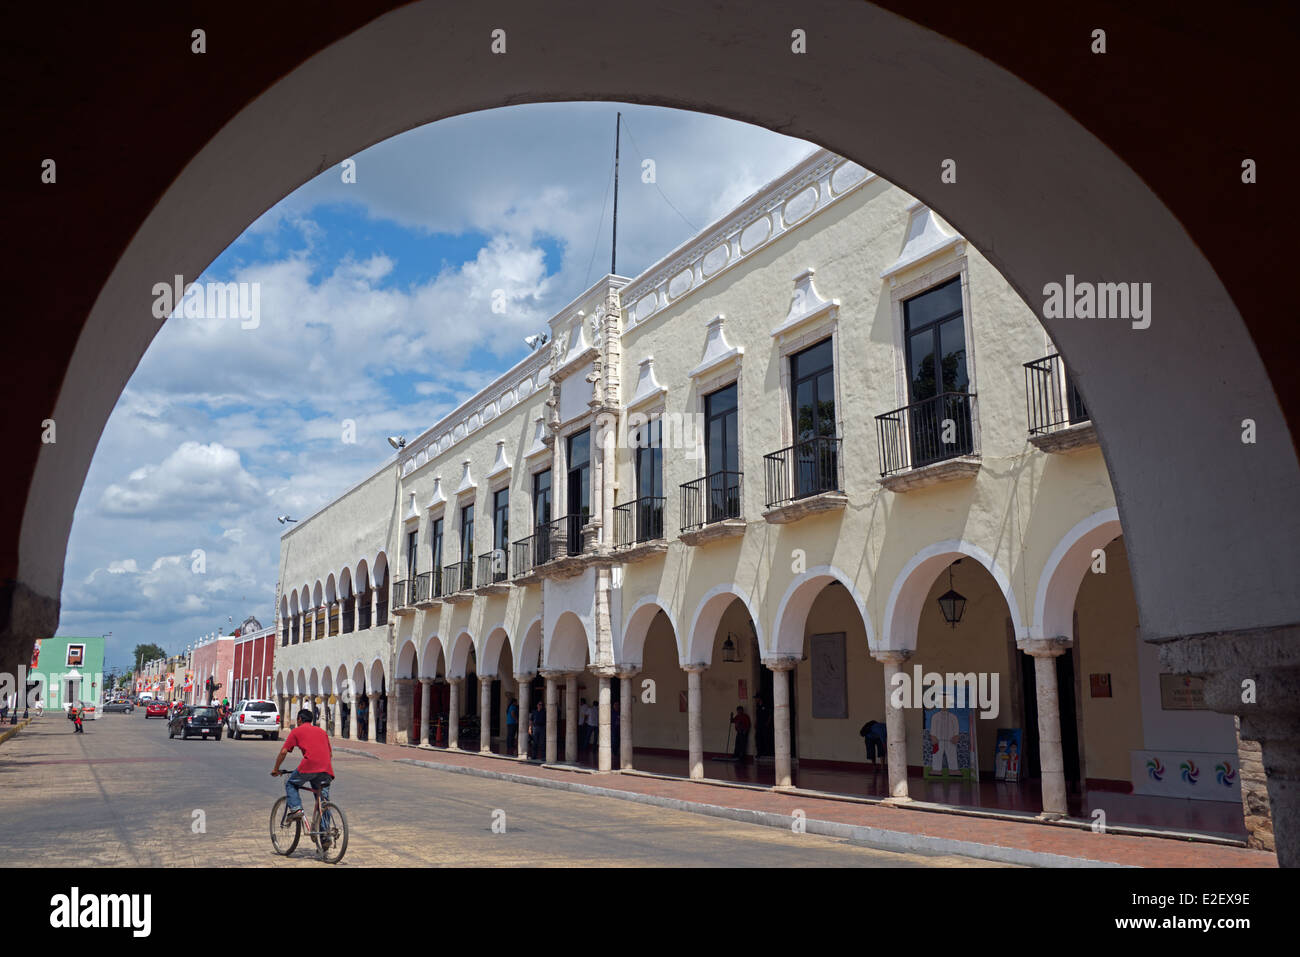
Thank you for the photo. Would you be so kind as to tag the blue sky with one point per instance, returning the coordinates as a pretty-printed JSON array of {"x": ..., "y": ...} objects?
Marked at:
[{"x": 375, "y": 309}]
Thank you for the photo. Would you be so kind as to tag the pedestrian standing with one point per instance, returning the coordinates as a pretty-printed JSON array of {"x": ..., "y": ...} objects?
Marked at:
[
  {"x": 79, "y": 715},
  {"x": 584, "y": 725},
  {"x": 363, "y": 728},
  {"x": 512, "y": 725},
  {"x": 537, "y": 732},
  {"x": 742, "y": 723}
]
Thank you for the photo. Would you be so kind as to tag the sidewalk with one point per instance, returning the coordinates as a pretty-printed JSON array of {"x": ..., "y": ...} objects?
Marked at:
[{"x": 989, "y": 837}]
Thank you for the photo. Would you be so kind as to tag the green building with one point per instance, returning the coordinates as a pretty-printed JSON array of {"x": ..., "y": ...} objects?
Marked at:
[{"x": 68, "y": 670}]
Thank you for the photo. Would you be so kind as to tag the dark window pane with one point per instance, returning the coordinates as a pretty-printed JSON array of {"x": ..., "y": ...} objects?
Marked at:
[
  {"x": 933, "y": 304},
  {"x": 952, "y": 339}
]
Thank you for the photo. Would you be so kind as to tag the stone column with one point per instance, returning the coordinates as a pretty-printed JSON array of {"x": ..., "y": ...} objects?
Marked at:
[
  {"x": 426, "y": 704},
  {"x": 604, "y": 733},
  {"x": 525, "y": 709},
  {"x": 1255, "y": 674},
  {"x": 625, "y": 717},
  {"x": 453, "y": 714},
  {"x": 895, "y": 726},
  {"x": 484, "y": 717},
  {"x": 552, "y": 722},
  {"x": 1051, "y": 759},
  {"x": 372, "y": 718},
  {"x": 694, "y": 720},
  {"x": 781, "y": 668},
  {"x": 571, "y": 718}
]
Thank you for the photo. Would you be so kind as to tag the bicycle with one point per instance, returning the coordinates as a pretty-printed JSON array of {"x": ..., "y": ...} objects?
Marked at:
[{"x": 328, "y": 829}]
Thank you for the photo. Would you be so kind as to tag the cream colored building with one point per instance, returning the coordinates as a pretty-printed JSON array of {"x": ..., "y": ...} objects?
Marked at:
[{"x": 739, "y": 474}]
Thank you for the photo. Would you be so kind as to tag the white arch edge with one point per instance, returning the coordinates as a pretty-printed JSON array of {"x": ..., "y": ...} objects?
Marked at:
[
  {"x": 1067, "y": 542},
  {"x": 959, "y": 546}
]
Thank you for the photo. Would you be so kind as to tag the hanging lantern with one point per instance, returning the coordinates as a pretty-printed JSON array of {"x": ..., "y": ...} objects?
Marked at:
[
  {"x": 951, "y": 602},
  {"x": 730, "y": 650}
]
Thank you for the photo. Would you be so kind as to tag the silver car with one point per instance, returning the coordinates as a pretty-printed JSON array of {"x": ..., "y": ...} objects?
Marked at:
[{"x": 254, "y": 716}]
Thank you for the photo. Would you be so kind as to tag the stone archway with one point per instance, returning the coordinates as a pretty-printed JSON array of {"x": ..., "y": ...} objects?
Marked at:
[{"x": 1037, "y": 169}]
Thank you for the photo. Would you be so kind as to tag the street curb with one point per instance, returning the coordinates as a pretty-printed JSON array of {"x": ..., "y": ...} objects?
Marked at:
[
  {"x": 901, "y": 841},
  {"x": 359, "y": 753},
  {"x": 6, "y": 735}
]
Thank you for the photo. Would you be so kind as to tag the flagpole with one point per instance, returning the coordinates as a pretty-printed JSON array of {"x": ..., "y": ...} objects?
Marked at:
[{"x": 613, "y": 246}]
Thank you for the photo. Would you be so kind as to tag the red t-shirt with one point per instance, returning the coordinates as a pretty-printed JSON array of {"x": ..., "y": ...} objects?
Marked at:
[{"x": 315, "y": 746}]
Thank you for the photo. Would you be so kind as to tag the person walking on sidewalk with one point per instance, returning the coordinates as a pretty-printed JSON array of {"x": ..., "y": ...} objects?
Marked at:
[{"x": 78, "y": 716}]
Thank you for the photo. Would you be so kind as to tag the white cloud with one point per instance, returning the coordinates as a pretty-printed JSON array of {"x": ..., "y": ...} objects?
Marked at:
[{"x": 193, "y": 480}]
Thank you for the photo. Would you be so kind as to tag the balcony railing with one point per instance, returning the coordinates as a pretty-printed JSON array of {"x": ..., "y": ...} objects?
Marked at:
[
  {"x": 638, "y": 521},
  {"x": 1051, "y": 399},
  {"x": 805, "y": 468},
  {"x": 570, "y": 532},
  {"x": 457, "y": 577},
  {"x": 493, "y": 567},
  {"x": 363, "y": 611},
  {"x": 524, "y": 557},
  {"x": 399, "y": 594},
  {"x": 926, "y": 432},
  {"x": 714, "y": 498},
  {"x": 423, "y": 586}
]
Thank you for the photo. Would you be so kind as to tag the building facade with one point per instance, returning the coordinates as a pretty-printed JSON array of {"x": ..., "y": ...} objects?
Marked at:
[
  {"x": 211, "y": 674},
  {"x": 814, "y": 456},
  {"x": 254, "y": 661},
  {"x": 66, "y": 671}
]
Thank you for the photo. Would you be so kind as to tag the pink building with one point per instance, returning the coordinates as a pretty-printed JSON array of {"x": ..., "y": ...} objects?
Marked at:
[{"x": 213, "y": 659}]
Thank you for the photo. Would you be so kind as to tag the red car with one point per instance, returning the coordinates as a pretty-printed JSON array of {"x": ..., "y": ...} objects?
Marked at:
[{"x": 156, "y": 709}]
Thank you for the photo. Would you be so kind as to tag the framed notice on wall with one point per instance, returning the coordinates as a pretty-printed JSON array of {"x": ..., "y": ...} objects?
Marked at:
[
  {"x": 1182, "y": 693},
  {"x": 830, "y": 697},
  {"x": 76, "y": 656}
]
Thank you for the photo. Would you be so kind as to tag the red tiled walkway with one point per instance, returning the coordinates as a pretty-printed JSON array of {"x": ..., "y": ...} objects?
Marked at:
[{"x": 1140, "y": 851}]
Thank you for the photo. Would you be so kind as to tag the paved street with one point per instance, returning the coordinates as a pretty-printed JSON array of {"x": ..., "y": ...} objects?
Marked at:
[{"x": 123, "y": 794}]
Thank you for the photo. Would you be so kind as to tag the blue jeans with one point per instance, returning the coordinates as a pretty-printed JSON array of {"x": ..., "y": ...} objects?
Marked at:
[{"x": 298, "y": 780}]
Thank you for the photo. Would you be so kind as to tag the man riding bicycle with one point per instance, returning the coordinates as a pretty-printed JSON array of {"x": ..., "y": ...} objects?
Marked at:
[{"x": 314, "y": 770}]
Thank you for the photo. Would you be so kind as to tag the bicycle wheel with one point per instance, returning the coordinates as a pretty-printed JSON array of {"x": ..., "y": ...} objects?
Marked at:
[
  {"x": 283, "y": 838},
  {"x": 335, "y": 828}
]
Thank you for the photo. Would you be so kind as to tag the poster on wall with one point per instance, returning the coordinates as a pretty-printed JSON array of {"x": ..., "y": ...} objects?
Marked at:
[
  {"x": 1182, "y": 693},
  {"x": 830, "y": 697},
  {"x": 76, "y": 655},
  {"x": 1006, "y": 756},
  {"x": 948, "y": 742}
]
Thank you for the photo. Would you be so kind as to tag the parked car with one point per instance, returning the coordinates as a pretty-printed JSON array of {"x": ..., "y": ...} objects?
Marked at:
[
  {"x": 122, "y": 704},
  {"x": 202, "y": 720},
  {"x": 254, "y": 716},
  {"x": 156, "y": 709}
]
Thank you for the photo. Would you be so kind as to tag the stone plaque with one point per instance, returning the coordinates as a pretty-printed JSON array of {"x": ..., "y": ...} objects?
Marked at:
[
  {"x": 1182, "y": 693},
  {"x": 829, "y": 680}
]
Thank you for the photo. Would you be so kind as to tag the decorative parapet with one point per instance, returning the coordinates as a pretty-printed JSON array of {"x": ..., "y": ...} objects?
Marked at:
[{"x": 814, "y": 184}]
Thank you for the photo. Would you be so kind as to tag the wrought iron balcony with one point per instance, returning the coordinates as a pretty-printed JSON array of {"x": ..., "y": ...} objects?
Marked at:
[
  {"x": 399, "y": 593},
  {"x": 493, "y": 568},
  {"x": 806, "y": 468},
  {"x": 1052, "y": 401},
  {"x": 423, "y": 587},
  {"x": 926, "y": 432},
  {"x": 638, "y": 521},
  {"x": 526, "y": 555},
  {"x": 714, "y": 498},
  {"x": 570, "y": 537},
  {"x": 457, "y": 577}
]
